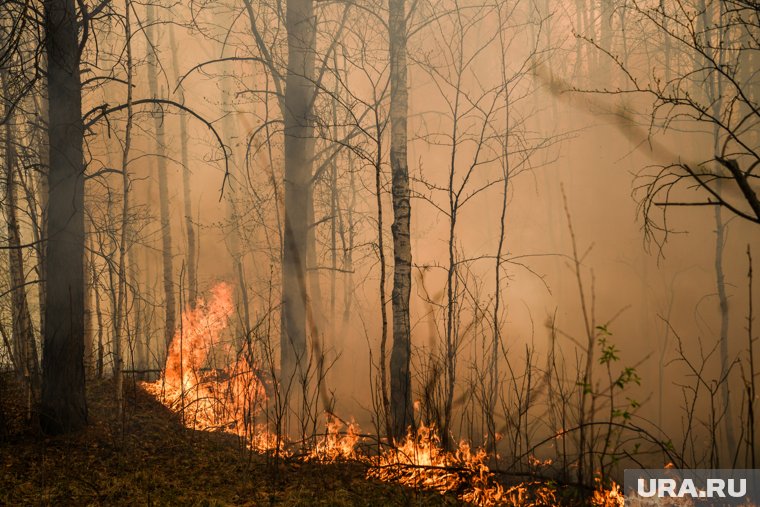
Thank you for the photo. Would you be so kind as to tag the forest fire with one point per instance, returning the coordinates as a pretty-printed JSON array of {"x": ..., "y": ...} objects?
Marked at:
[
  {"x": 208, "y": 399},
  {"x": 218, "y": 400},
  {"x": 504, "y": 251},
  {"x": 228, "y": 399},
  {"x": 420, "y": 462}
]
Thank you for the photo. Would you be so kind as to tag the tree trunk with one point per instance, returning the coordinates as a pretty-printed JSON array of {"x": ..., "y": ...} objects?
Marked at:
[
  {"x": 23, "y": 331},
  {"x": 243, "y": 323},
  {"x": 312, "y": 266},
  {"x": 715, "y": 96},
  {"x": 63, "y": 404},
  {"x": 334, "y": 206},
  {"x": 381, "y": 257},
  {"x": 192, "y": 276},
  {"x": 98, "y": 312},
  {"x": 39, "y": 181},
  {"x": 89, "y": 335},
  {"x": 299, "y": 93},
  {"x": 401, "y": 384},
  {"x": 494, "y": 379},
  {"x": 163, "y": 186},
  {"x": 121, "y": 306}
]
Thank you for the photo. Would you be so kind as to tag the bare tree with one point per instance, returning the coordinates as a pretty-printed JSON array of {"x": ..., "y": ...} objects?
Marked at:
[
  {"x": 163, "y": 179},
  {"x": 299, "y": 153},
  {"x": 24, "y": 346},
  {"x": 685, "y": 97},
  {"x": 402, "y": 414}
]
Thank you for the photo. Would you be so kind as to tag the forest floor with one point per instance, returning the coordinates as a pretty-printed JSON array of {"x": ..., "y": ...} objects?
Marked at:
[{"x": 149, "y": 458}]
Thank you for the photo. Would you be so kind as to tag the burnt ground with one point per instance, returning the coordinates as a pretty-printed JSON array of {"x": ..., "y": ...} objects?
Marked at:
[{"x": 149, "y": 458}]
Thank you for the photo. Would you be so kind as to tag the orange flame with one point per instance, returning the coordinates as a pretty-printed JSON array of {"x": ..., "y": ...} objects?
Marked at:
[
  {"x": 215, "y": 399},
  {"x": 420, "y": 462},
  {"x": 603, "y": 497},
  {"x": 196, "y": 336},
  {"x": 226, "y": 400},
  {"x": 334, "y": 446}
]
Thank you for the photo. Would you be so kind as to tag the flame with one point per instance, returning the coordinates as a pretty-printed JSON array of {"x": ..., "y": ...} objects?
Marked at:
[
  {"x": 603, "y": 497},
  {"x": 420, "y": 462},
  {"x": 227, "y": 400},
  {"x": 218, "y": 399},
  {"x": 334, "y": 446}
]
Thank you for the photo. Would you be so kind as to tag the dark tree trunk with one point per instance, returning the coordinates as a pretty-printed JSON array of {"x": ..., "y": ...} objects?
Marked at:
[
  {"x": 299, "y": 148},
  {"x": 401, "y": 385},
  {"x": 63, "y": 405}
]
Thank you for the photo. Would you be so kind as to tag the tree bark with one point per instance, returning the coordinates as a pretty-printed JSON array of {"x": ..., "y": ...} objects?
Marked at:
[
  {"x": 299, "y": 93},
  {"x": 63, "y": 405},
  {"x": 401, "y": 385}
]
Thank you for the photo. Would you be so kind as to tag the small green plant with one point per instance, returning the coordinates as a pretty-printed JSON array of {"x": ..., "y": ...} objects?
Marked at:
[{"x": 618, "y": 414}]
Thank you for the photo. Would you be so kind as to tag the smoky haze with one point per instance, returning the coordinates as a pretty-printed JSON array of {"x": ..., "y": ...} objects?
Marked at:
[{"x": 570, "y": 150}]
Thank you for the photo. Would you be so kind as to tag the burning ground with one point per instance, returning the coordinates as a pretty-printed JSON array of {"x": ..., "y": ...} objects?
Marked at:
[
  {"x": 197, "y": 433},
  {"x": 150, "y": 458},
  {"x": 200, "y": 435}
]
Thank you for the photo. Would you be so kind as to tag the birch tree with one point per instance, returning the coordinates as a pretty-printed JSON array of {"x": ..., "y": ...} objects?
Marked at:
[{"x": 402, "y": 414}]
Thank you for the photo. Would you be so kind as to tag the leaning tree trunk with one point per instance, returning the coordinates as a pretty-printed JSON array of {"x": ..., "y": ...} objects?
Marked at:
[
  {"x": 299, "y": 148},
  {"x": 63, "y": 405},
  {"x": 163, "y": 186},
  {"x": 401, "y": 384}
]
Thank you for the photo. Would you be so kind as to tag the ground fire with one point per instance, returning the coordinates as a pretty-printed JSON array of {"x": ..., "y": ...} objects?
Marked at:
[{"x": 226, "y": 400}]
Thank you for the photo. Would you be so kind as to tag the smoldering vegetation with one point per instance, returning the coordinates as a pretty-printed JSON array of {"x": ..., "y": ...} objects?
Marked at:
[{"x": 524, "y": 225}]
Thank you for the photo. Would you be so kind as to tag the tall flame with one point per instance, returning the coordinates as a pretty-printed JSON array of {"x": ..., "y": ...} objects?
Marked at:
[
  {"x": 195, "y": 337},
  {"x": 214, "y": 399}
]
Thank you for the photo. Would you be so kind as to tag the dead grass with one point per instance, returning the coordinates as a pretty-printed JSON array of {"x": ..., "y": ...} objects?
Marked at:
[{"x": 150, "y": 459}]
